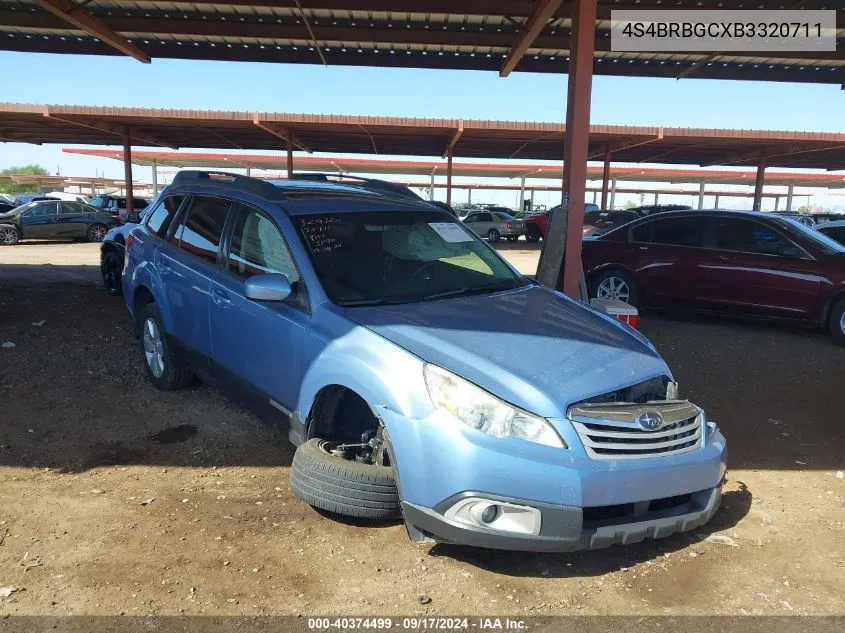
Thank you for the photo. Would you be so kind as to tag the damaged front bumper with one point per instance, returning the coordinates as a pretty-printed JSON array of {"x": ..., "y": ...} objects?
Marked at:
[{"x": 547, "y": 499}]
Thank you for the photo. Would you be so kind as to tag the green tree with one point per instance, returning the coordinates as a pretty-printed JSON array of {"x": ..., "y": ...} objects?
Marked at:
[
  {"x": 803, "y": 209},
  {"x": 630, "y": 204},
  {"x": 26, "y": 170}
]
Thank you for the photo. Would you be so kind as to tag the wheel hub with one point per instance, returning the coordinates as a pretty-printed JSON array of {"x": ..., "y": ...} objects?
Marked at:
[
  {"x": 614, "y": 288},
  {"x": 153, "y": 348}
]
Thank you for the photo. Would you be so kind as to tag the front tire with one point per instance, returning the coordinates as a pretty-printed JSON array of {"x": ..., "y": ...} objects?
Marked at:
[
  {"x": 9, "y": 235},
  {"x": 96, "y": 232},
  {"x": 837, "y": 323},
  {"x": 615, "y": 284},
  {"x": 111, "y": 269},
  {"x": 493, "y": 235},
  {"x": 341, "y": 486},
  {"x": 164, "y": 370}
]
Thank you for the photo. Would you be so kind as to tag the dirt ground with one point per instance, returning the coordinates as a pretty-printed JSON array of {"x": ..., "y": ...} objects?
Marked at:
[{"x": 119, "y": 499}]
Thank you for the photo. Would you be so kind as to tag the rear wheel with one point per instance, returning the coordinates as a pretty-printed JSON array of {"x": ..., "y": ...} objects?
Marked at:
[
  {"x": 615, "y": 284},
  {"x": 9, "y": 234},
  {"x": 111, "y": 268},
  {"x": 533, "y": 234},
  {"x": 493, "y": 235},
  {"x": 164, "y": 370},
  {"x": 328, "y": 476},
  {"x": 837, "y": 323},
  {"x": 96, "y": 232}
]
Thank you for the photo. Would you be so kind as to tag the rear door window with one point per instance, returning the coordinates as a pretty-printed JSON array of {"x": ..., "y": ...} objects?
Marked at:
[
  {"x": 200, "y": 233},
  {"x": 672, "y": 232},
  {"x": 159, "y": 218},
  {"x": 71, "y": 208}
]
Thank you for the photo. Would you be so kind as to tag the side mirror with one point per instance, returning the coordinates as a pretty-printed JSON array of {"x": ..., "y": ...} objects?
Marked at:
[{"x": 268, "y": 287}]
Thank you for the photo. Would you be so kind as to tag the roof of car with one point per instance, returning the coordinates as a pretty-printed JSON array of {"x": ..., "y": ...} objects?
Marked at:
[
  {"x": 305, "y": 196},
  {"x": 831, "y": 224}
]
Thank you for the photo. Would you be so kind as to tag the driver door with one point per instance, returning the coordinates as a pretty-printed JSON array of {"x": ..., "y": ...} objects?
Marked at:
[{"x": 41, "y": 221}]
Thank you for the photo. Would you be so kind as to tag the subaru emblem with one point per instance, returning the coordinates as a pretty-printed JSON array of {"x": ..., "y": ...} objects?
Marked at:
[{"x": 650, "y": 421}]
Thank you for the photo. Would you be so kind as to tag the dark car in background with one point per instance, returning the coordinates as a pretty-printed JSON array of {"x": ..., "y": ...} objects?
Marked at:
[
  {"x": 835, "y": 230},
  {"x": 602, "y": 221},
  {"x": 116, "y": 206},
  {"x": 651, "y": 209},
  {"x": 803, "y": 218},
  {"x": 739, "y": 263},
  {"x": 54, "y": 219}
]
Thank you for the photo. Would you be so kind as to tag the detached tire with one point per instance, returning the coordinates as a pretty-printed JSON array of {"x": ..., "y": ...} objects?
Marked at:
[
  {"x": 343, "y": 487},
  {"x": 837, "y": 323},
  {"x": 111, "y": 269}
]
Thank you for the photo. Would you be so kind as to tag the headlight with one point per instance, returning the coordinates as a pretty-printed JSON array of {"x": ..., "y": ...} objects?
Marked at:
[{"x": 484, "y": 412}]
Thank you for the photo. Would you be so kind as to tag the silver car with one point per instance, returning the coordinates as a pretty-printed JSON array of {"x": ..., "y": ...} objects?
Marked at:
[{"x": 494, "y": 225}]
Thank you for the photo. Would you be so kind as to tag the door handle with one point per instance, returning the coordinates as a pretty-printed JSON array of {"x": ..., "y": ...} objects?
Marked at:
[
  {"x": 220, "y": 298},
  {"x": 642, "y": 248}
]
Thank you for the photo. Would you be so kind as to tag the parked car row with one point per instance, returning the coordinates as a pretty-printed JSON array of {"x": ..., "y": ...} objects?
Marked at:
[
  {"x": 387, "y": 337},
  {"x": 749, "y": 264}
]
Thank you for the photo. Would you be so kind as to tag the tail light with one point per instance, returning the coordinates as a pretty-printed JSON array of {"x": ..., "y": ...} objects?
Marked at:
[
  {"x": 130, "y": 237},
  {"x": 509, "y": 225}
]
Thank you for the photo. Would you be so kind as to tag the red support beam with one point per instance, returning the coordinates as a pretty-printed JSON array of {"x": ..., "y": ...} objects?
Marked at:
[
  {"x": 758, "y": 185},
  {"x": 605, "y": 177},
  {"x": 449, "y": 176},
  {"x": 75, "y": 15},
  {"x": 127, "y": 171},
  {"x": 290, "y": 158},
  {"x": 540, "y": 15},
  {"x": 560, "y": 259},
  {"x": 454, "y": 140}
]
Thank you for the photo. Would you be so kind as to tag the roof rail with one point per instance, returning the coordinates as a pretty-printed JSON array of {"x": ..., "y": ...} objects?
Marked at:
[
  {"x": 371, "y": 184},
  {"x": 244, "y": 183}
]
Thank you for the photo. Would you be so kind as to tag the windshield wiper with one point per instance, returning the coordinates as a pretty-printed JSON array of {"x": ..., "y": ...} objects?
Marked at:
[
  {"x": 354, "y": 303},
  {"x": 467, "y": 291}
]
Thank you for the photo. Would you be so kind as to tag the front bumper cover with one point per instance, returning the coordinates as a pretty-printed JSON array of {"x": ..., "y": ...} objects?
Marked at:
[{"x": 563, "y": 527}]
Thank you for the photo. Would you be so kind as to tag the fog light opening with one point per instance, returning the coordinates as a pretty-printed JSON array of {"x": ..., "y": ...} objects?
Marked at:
[{"x": 496, "y": 515}]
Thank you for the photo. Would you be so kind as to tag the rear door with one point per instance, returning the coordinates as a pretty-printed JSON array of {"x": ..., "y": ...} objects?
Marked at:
[
  {"x": 73, "y": 222},
  {"x": 666, "y": 254},
  {"x": 757, "y": 270},
  {"x": 41, "y": 221},
  {"x": 187, "y": 263}
]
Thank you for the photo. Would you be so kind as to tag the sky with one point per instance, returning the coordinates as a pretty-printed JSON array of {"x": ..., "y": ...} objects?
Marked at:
[{"x": 186, "y": 84}]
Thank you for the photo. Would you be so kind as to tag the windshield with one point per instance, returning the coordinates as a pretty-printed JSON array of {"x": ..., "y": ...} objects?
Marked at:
[
  {"x": 404, "y": 257},
  {"x": 820, "y": 240}
]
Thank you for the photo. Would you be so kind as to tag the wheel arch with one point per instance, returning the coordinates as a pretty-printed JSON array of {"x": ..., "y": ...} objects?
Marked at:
[{"x": 834, "y": 298}]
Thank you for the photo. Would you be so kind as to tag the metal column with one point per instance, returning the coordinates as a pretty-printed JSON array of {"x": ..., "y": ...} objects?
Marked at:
[
  {"x": 701, "y": 196},
  {"x": 595, "y": 197},
  {"x": 521, "y": 193},
  {"x": 290, "y": 157},
  {"x": 758, "y": 185},
  {"x": 777, "y": 202},
  {"x": 560, "y": 259},
  {"x": 449, "y": 176},
  {"x": 431, "y": 191},
  {"x": 155, "y": 179},
  {"x": 127, "y": 171},
  {"x": 656, "y": 196},
  {"x": 248, "y": 172},
  {"x": 716, "y": 204},
  {"x": 612, "y": 194},
  {"x": 605, "y": 177},
  {"x": 789, "y": 191}
]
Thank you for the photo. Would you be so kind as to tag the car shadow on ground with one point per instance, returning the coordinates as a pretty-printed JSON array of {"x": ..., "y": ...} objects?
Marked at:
[
  {"x": 735, "y": 505},
  {"x": 519, "y": 245}
]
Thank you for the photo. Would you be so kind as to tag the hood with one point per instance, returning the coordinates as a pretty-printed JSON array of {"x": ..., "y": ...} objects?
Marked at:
[
  {"x": 531, "y": 347},
  {"x": 8, "y": 214}
]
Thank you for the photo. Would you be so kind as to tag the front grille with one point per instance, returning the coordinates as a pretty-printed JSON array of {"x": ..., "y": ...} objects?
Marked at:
[{"x": 614, "y": 431}]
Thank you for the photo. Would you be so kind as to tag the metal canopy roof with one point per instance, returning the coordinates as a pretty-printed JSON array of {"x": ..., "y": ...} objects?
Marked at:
[
  {"x": 496, "y": 35},
  {"x": 173, "y": 129},
  {"x": 332, "y": 164}
]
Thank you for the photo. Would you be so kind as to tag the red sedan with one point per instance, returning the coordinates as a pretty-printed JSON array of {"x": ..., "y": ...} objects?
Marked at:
[{"x": 732, "y": 262}]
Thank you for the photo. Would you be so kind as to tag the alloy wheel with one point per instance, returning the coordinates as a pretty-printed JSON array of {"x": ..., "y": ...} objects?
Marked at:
[
  {"x": 98, "y": 233},
  {"x": 153, "y": 348},
  {"x": 8, "y": 235},
  {"x": 614, "y": 288}
]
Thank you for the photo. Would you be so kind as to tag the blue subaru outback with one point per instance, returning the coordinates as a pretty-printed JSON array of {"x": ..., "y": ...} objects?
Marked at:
[{"x": 419, "y": 374}]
